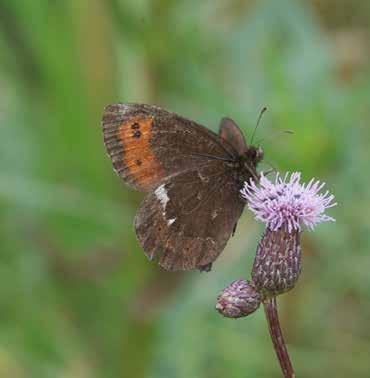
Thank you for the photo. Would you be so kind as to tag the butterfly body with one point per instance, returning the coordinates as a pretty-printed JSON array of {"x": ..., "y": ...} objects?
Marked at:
[{"x": 192, "y": 177}]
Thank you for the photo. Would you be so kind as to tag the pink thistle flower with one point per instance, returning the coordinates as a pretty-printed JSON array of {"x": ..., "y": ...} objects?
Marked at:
[
  {"x": 287, "y": 202},
  {"x": 283, "y": 205}
]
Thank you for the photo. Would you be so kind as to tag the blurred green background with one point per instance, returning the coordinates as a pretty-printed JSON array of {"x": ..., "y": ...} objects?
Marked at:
[{"x": 78, "y": 298}]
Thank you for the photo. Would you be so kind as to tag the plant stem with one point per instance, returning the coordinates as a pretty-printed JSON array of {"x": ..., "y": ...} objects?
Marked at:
[{"x": 277, "y": 337}]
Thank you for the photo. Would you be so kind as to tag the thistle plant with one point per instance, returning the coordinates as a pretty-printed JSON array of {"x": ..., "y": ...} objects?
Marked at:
[{"x": 284, "y": 206}]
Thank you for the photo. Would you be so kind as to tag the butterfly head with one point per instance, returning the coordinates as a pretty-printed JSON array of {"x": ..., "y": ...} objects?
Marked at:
[
  {"x": 253, "y": 156},
  {"x": 248, "y": 163}
]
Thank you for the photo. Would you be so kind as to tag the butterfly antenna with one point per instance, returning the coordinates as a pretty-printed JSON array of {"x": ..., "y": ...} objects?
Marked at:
[
  {"x": 272, "y": 168},
  {"x": 276, "y": 132},
  {"x": 258, "y": 122}
]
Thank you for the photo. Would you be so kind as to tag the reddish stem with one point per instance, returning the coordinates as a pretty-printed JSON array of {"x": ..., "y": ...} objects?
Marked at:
[{"x": 277, "y": 337}]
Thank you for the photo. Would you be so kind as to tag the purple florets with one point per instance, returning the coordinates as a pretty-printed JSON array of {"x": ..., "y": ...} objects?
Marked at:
[{"x": 287, "y": 202}]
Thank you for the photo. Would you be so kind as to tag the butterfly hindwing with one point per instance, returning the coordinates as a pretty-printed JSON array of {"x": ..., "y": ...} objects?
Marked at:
[
  {"x": 147, "y": 144},
  {"x": 186, "y": 222}
]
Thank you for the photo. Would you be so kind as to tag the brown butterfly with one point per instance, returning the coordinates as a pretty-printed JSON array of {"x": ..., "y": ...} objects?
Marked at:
[{"x": 192, "y": 177}]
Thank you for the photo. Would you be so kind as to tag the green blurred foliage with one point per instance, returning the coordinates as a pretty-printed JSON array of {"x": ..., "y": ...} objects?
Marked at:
[{"x": 78, "y": 298}]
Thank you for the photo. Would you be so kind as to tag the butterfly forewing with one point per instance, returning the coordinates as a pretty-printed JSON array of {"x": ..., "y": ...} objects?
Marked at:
[{"x": 148, "y": 144}]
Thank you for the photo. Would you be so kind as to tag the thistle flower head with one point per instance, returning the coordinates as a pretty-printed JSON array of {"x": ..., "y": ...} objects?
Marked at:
[{"x": 287, "y": 202}]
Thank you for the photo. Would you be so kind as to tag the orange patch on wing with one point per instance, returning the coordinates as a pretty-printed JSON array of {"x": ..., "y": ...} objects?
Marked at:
[{"x": 139, "y": 159}]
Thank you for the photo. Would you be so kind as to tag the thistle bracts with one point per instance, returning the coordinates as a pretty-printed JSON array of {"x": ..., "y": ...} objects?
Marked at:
[{"x": 277, "y": 264}]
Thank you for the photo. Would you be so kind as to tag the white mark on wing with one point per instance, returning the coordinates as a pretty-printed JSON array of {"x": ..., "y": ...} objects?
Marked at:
[
  {"x": 170, "y": 221},
  {"x": 161, "y": 194},
  {"x": 203, "y": 178},
  {"x": 211, "y": 240},
  {"x": 214, "y": 214}
]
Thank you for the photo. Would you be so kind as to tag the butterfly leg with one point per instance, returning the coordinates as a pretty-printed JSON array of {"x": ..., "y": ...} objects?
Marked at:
[
  {"x": 269, "y": 171},
  {"x": 205, "y": 268}
]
